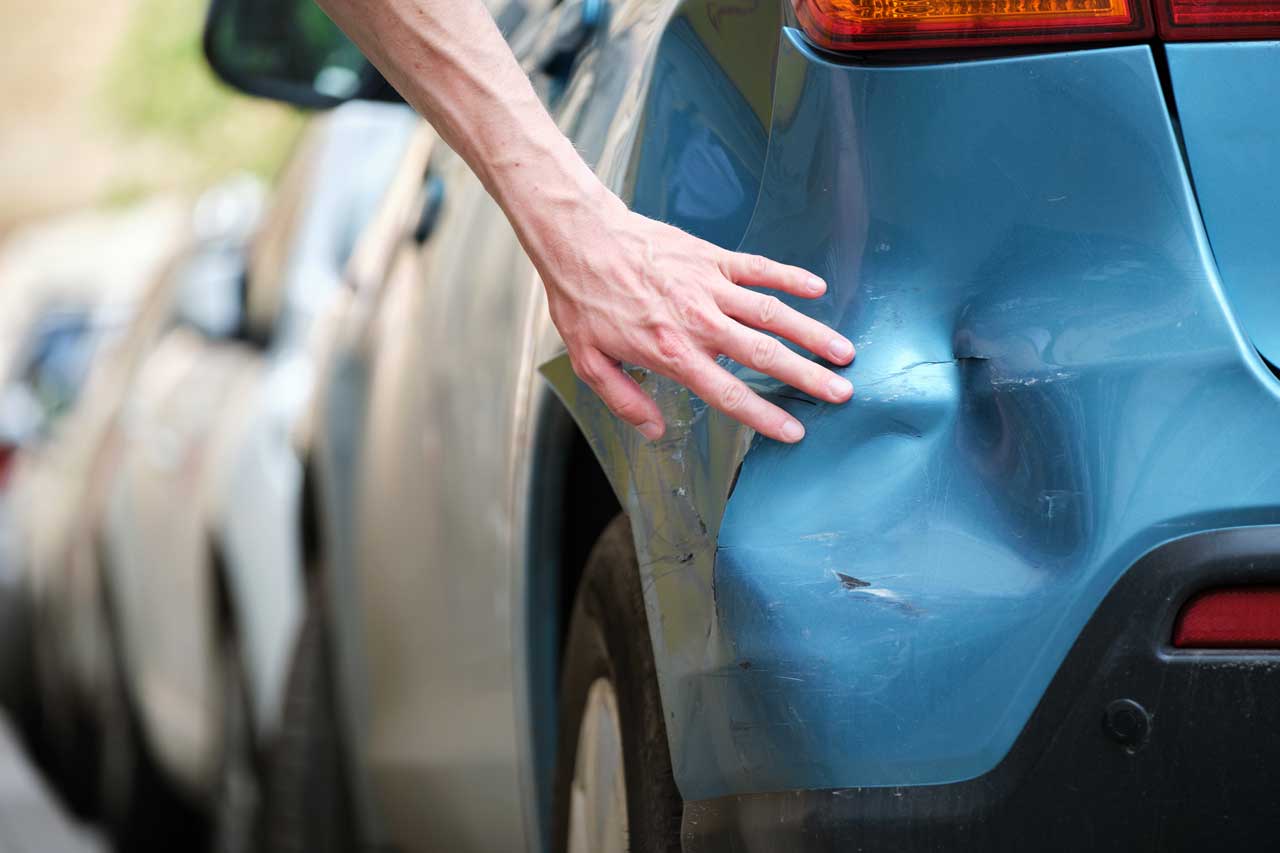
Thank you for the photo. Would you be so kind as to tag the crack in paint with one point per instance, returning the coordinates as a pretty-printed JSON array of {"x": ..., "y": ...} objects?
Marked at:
[{"x": 917, "y": 364}]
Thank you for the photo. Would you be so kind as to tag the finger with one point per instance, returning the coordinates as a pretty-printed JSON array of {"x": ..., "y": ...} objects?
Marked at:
[
  {"x": 762, "y": 311},
  {"x": 767, "y": 355},
  {"x": 619, "y": 392},
  {"x": 759, "y": 271},
  {"x": 726, "y": 392}
]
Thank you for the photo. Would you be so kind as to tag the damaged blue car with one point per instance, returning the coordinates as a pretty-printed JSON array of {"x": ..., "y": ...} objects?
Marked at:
[{"x": 1022, "y": 592}]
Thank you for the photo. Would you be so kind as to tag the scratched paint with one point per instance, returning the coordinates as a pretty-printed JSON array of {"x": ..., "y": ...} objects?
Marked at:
[{"x": 1049, "y": 384}]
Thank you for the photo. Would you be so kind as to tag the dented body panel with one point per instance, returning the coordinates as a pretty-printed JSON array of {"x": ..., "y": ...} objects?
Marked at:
[{"x": 1050, "y": 383}]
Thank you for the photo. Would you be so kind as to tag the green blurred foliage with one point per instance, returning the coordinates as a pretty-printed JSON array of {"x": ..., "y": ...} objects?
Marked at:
[{"x": 160, "y": 90}]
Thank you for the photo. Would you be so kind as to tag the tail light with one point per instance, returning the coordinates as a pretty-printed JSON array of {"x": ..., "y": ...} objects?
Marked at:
[
  {"x": 1234, "y": 618},
  {"x": 880, "y": 24},
  {"x": 8, "y": 454},
  {"x": 1199, "y": 20}
]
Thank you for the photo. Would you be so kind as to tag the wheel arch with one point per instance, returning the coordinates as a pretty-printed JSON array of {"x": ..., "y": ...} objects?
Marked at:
[
  {"x": 310, "y": 519},
  {"x": 571, "y": 501}
]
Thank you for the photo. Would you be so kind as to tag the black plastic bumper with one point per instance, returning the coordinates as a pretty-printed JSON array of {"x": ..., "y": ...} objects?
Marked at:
[{"x": 1134, "y": 746}]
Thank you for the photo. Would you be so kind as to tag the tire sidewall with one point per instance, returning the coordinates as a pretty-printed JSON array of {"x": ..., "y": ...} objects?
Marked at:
[{"x": 609, "y": 638}]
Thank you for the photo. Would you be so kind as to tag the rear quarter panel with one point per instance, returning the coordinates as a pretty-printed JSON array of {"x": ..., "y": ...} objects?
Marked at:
[{"x": 1045, "y": 358}]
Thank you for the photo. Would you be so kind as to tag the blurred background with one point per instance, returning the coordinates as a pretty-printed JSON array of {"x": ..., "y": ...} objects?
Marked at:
[
  {"x": 111, "y": 117},
  {"x": 114, "y": 128},
  {"x": 109, "y": 103},
  {"x": 158, "y": 320}
]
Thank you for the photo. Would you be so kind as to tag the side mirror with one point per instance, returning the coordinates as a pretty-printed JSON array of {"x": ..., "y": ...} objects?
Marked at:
[
  {"x": 290, "y": 51},
  {"x": 210, "y": 292}
]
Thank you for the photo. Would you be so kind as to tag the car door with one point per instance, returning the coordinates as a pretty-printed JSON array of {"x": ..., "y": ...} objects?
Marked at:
[
  {"x": 429, "y": 564},
  {"x": 427, "y": 638},
  {"x": 433, "y": 533}
]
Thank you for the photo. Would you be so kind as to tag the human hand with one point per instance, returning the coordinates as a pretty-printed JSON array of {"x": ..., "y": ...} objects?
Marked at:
[
  {"x": 620, "y": 287},
  {"x": 631, "y": 289}
]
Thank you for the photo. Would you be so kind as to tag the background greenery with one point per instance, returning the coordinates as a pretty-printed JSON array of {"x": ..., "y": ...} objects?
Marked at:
[{"x": 111, "y": 101}]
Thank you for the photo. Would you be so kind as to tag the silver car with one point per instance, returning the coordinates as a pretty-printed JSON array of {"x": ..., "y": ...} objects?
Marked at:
[{"x": 198, "y": 543}]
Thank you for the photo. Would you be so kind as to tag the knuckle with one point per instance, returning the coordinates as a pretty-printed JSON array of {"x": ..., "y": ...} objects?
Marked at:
[
  {"x": 697, "y": 316},
  {"x": 587, "y": 371},
  {"x": 764, "y": 353},
  {"x": 670, "y": 344},
  {"x": 757, "y": 264},
  {"x": 627, "y": 408},
  {"x": 769, "y": 309},
  {"x": 733, "y": 396}
]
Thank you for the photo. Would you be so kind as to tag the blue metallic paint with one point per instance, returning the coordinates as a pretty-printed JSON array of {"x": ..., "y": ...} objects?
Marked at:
[
  {"x": 1228, "y": 97},
  {"x": 1050, "y": 383},
  {"x": 702, "y": 157}
]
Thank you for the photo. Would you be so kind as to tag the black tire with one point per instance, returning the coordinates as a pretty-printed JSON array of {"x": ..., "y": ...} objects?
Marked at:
[
  {"x": 18, "y": 684},
  {"x": 609, "y": 638},
  {"x": 309, "y": 808},
  {"x": 235, "y": 822},
  {"x": 65, "y": 738},
  {"x": 141, "y": 809}
]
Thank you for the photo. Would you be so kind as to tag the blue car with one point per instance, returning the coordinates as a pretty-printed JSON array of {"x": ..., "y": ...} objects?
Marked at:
[{"x": 1021, "y": 593}]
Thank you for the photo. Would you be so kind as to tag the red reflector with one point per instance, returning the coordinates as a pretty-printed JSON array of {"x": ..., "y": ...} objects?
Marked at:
[
  {"x": 1198, "y": 20},
  {"x": 1246, "y": 617},
  {"x": 880, "y": 24}
]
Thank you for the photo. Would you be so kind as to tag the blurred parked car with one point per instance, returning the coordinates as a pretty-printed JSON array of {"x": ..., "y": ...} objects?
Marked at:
[
  {"x": 60, "y": 485},
  {"x": 199, "y": 539},
  {"x": 43, "y": 374},
  {"x": 1020, "y": 593},
  {"x": 44, "y": 370}
]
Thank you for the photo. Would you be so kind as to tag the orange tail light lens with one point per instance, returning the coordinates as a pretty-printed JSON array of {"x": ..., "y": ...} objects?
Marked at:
[{"x": 854, "y": 25}]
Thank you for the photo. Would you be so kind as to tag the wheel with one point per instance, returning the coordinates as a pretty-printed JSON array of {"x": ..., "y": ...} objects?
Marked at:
[
  {"x": 18, "y": 683},
  {"x": 614, "y": 790},
  {"x": 238, "y": 797},
  {"x": 309, "y": 808},
  {"x": 141, "y": 809},
  {"x": 64, "y": 736}
]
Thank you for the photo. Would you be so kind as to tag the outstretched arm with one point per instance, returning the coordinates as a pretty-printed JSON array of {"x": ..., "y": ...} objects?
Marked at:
[{"x": 620, "y": 287}]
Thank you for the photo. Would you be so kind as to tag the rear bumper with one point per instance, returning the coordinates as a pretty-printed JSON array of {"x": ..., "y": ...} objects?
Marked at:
[{"x": 1195, "y": 774}]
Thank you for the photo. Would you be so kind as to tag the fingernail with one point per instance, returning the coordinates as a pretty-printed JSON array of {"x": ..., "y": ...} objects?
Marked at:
[
  {"x": 651, "y": 430},
  {"x": 840, "y": 388},
  {"x": 816, "y": 285},
  {"x": 840, "y": 349},
  {"x": 792, "y": 431}
]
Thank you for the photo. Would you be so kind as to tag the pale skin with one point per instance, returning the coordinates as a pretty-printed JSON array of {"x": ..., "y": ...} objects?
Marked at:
[{"x": 621, "y": 288}]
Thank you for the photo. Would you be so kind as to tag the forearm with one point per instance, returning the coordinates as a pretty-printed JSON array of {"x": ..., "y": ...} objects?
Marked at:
[
  {"x": 620, "y": 288},
  {"x": 448, "y": 60}
]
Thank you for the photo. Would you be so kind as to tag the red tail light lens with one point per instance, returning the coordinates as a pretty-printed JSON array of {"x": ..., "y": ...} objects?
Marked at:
[
  {"x": 8, "y": 454},
  {"x": 881, "y": 24},
  {"x": 1237, "y": 618},
  {"x": 1200, "y": 20}
]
